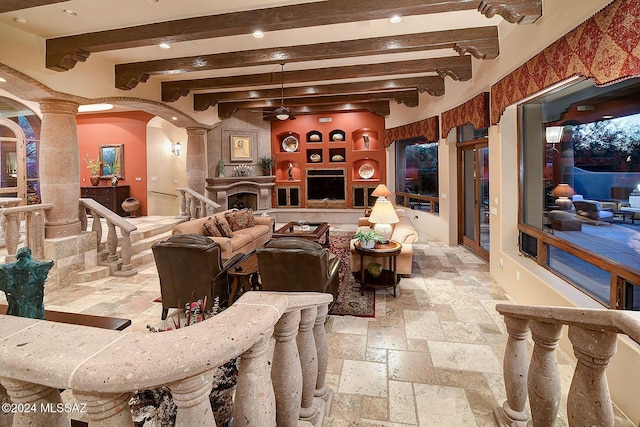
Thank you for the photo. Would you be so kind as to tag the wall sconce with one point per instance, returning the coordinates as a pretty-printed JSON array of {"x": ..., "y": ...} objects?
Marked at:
[
  {"x": 554, "y": 136},
  {"x": 176, "y": 148}
]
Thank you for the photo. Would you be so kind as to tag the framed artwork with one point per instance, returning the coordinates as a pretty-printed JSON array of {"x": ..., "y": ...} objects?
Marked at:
[
  {"x": 111, "y": 158},
  {"x": 241, "y": 148}
]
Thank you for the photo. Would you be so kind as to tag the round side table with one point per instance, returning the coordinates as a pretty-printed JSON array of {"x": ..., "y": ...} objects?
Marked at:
[{"x": 388, "y": 277}]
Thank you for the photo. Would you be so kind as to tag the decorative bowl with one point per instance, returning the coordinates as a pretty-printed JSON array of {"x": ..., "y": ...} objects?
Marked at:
[
  {"x": 337, "y": 158},
  {"x": 366, "y": 171},
  {"x": 315, "y": 158},
  {"x": 374, "y": 269},
  {"x": 315, "y": 137},
  {"x": 338, "y": 137}
]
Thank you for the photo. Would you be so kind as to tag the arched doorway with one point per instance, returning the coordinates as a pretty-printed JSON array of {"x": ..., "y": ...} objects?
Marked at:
[{"x": 13, "y": 165}]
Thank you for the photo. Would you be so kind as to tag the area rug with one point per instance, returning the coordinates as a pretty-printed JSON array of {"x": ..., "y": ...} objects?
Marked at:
[{"x": 350, "y": 302}]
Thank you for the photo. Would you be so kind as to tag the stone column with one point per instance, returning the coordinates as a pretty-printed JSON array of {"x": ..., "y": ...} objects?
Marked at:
[
  {"x": 60, "y": 167},
  {"x": 197, "y": 159}
]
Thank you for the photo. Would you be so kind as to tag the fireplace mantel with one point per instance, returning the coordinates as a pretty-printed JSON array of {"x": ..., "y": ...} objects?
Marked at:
[{"x": 262, "y": 186}]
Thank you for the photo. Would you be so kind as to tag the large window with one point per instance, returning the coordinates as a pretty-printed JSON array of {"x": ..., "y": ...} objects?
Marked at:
[
  {"x": 417, "y": 173},
  {"x": 580, "y": 174}
]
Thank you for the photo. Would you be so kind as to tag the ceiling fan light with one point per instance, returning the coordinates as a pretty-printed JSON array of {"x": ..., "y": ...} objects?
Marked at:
[{"x": 281, "y": 113}]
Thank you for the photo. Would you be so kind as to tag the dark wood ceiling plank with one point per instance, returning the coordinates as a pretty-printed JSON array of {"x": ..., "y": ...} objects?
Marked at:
[
  {"x": 13, "y": 5},
  {"x": 457, "y": 67},
  {"x": 407, "y": 97},
  {"x": 480, "y": 41},
  {"x": 60, "y": 52},
  {"x": 434, "y": 85},
  {"x": 380, "y": 108}
]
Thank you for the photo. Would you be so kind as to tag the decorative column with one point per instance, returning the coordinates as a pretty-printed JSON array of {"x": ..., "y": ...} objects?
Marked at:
[
  {"x": 39, "y": 402},
  {"x": 106, "y": 409},
  {"x": 60, "y": 167},
  {"x": 322, "y": 392},
  {"x": 286, "y": 372},
  {"x": 309, "y": 362},
  {"x": 191, "y": 396},
  {"x": 196, "y": 159}
]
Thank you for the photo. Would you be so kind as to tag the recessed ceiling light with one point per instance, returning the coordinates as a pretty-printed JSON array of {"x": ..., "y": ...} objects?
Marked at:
[
  {"x": 152, "y": 1},
  {"x": 164, "y": 46},
  {"x": 607, "y": 117},
  {"x": 395, "y": 19},
  {"x": 19, "y": 20},
  {"x": 174, "y": 118},
  {"x": 258, "y": 34},
  {"x": 2, "y": 80},
  {"x": 70, "y": 12},
  {"x": 94, "y": 107}
]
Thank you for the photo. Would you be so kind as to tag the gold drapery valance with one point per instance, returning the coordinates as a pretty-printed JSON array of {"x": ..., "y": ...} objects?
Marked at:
[
  {"x": 606, "y": 48},
  {"x": 427, "y": 128},
  {"x": 475, "y": 111}
]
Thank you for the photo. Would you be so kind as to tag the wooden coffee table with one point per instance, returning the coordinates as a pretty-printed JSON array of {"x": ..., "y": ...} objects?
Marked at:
[{"x": 314, "y": 232}]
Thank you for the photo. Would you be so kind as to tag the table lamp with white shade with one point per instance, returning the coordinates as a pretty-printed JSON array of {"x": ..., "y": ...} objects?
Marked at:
[
  {"x": 563, "y": 192},
  {"x": 383, "y": 215}
]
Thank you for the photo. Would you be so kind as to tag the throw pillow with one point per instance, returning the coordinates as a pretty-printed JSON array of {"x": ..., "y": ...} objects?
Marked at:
[
  {"x": 223, "y": 227},
  {"x": 239, "y": 219},
  {"x": 211, "y": 229}
]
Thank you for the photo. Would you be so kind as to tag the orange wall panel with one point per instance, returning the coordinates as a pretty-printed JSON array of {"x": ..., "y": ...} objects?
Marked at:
[{"x": 130, "y": 129}]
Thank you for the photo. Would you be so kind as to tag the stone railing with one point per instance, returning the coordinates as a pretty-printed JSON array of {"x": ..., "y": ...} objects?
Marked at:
[
  {"x": 34, "y": 226},
  {"x": 194, "y": 205},
  {"x": 119, "y": 265},
  {"x": 103, "y": 368},
  {"x": 593, "y": 334}
]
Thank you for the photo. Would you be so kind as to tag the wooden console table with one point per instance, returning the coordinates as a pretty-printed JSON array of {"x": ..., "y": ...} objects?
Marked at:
[
  {"x": 108, "y": 196},
  {"x": 103, "y": 322}
]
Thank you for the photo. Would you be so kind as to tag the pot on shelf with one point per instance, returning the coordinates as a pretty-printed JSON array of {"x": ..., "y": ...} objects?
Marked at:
[
  {"x": 131, "y": 206},
  {"x": 95, "y": 180}
]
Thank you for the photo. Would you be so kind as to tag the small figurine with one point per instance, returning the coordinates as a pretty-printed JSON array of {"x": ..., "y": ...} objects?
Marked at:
[
  {"x": 290, "y": 172},
  {"x": 221, "y": 169},
  {"x": 114, "y": 181}
]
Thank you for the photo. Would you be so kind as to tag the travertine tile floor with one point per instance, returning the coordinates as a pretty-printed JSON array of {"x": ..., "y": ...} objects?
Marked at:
[{"x": 431, "y": 357}]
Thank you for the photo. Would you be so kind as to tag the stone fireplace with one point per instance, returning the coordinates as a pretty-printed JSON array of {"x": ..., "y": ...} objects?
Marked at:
[{"x": 242, "y": 191}]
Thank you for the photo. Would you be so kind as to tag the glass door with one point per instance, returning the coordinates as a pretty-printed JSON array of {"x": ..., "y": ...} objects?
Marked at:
[{"x": 473, "y": 179}]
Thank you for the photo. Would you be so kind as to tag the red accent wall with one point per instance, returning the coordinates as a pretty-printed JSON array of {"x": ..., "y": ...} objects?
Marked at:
[{"x": 130, "y": 129}]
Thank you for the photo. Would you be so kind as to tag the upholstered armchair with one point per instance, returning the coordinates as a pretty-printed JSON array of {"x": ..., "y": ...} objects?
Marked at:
[
  {"x": 190, "y": 267},
  {"x": 590, "y": 211},
  {"x": 293, "y": 264}
]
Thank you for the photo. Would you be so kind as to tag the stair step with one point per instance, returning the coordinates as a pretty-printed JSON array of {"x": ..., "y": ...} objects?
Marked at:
[{"x": 91, "y": 274}]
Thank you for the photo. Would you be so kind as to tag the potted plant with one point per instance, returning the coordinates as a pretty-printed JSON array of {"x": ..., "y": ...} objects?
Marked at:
[
  {"x": 367, "y": 238},
  {"x": 94, "y": 167},
  {"x": 266, "y": 164}
]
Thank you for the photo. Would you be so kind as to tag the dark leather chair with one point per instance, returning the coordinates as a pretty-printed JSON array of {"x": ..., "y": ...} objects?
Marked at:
[
  {"x": 292, "y": 264},
  {"x": 190, "y": 267}
]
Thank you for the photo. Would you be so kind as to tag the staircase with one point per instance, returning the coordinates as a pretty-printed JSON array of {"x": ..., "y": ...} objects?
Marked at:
[{"x": 151, "y": 229}]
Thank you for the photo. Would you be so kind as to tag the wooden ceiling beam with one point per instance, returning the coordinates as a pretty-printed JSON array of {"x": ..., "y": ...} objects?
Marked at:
[
  {"x": 434, "y": 85},
  {"x": 63, "y": 53},
  {"x": 481, "y": 42},
  {"x": 407, "y": 97},
  {"x": 380, "y": 108},
  {"x": 456, "y": 67},
  {"x": 13, "y": 5}
]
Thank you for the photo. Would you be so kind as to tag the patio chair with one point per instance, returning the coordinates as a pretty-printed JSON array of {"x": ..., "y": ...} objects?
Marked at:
[{"x": 590, "y": 211}]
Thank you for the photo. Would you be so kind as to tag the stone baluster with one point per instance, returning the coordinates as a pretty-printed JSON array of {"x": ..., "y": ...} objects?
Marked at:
[
  {"x": 106, "y": 410},
  {"x": 309, "y": 362},
  {"x": 35, "y": 232},
  {"x": 322, "y": 392},
  {"x": 82, "y": 216},
  {"x": 12, "y": 236},
  {"x": 183, "y": 204},
  {"x": 589, "y": 401},
  {"x": 286, "y": 372},
  {"x": 515, "y": 365},
  {"x": 36, "y": 404},
  {"x": 193, "y": 208},
  {"x": 126, "y": 252},
  {"x": 255, "y": 403},
  {"x": 96, "y": 226},
  {"x": 112, "y": 242},
  {"x": 191, "y": 396},
  {"x": 544, "y": 376}
]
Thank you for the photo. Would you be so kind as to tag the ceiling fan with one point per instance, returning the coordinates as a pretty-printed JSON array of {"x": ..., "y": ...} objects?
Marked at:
[{"x": 282, "y": 112}]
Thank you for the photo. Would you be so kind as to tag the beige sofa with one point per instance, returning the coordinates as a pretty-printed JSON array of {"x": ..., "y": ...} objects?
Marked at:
[
  {"x": 245, "y": 240},
  {"x": 403, "y": 232}
]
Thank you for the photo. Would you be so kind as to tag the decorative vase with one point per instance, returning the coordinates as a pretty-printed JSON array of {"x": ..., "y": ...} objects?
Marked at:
[
  {"x": 95, "y": 180},
  {"x": 131, "y": 206}
]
